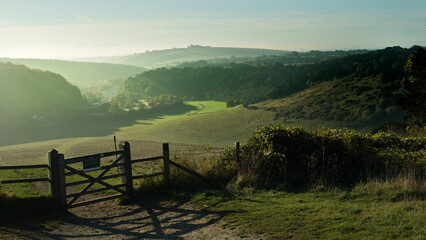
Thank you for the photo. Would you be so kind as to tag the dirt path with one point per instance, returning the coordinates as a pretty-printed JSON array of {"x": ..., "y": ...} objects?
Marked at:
[
  {"x": 153, "y": 218},
  {"x": 198, "y": 111}
]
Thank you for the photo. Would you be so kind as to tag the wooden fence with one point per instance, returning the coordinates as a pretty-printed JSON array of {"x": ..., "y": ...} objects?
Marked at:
[{"x": 58, "y": 168}]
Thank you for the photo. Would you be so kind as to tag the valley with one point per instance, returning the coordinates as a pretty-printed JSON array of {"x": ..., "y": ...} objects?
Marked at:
[{"x": 306, "y": 134}]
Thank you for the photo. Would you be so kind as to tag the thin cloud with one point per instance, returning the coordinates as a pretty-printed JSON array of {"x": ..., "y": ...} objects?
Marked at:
[
  {"x": 83, "y": 18},
  {"x": 4, "y": 22}
]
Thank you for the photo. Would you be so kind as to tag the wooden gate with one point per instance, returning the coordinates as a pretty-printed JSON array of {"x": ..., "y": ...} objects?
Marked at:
[
  {"x": 59, "y": 169},
  {"x": 62, "y": 168}
]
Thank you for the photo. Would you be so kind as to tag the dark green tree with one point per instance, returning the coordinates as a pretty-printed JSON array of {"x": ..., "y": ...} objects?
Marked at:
[{"x": 413, "y": 101}]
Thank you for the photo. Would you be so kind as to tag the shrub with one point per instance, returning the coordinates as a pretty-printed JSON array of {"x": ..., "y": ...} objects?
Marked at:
[
  {"x": 397, "y": 128},
  {"x": 294, "y": 157}
]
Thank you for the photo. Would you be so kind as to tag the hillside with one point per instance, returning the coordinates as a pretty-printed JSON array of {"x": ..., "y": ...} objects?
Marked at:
[
  {"x": 26, "y": 93},
  {"x": 290, "y": 58},
  {"x": 81, "y": 74},
  {"x": 364, "y": 97},
  {"x": 171, "y": 57},
  {"x": 350, "y": 101},
  {"x": 248, "y": 84}
]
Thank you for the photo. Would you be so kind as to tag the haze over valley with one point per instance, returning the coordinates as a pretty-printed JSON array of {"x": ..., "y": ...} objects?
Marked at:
[{"x": 327, "y": 99}]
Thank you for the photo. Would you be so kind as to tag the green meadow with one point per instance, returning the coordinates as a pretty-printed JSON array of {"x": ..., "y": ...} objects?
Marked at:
[
  {"x": 197, "y": 138},
  {"x": 211, "y": 123}
]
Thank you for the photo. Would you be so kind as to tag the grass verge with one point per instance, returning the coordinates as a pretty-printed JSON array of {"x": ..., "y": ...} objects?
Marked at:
[
  {"x": 369, "y": 211},
  {"x": 21, "y": 215}
]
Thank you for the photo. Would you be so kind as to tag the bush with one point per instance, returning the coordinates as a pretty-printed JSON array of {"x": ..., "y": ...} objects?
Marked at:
[
  {"x": 294, "y": 157},
  {"x": 397, "y": 128}
]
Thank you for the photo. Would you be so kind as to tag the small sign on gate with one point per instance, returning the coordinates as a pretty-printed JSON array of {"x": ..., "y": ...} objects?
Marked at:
[{"x": 91, "y": 164}]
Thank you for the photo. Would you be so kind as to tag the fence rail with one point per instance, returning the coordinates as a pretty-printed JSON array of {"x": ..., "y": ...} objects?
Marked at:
[
  {"x": 25, "y": 180},
  {"x": 88, "y": 181},
  {"x": 95, "y": 201},
  {"x": 23, "y": 167},
  {"x": 72, "y": 195},
  {"x": 102, "y": 155},
  {"x": 186, "y": 169},
  {"x": 58, "y": 169},
  {"x": 148, "y": 175},
  {"x": 100, "y": 168},
  {"x": 147, "y": 159}
]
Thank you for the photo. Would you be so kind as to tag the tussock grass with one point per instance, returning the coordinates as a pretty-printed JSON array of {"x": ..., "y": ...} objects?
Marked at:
[
  {"x": 397, "y": 189},
  {"x": 368, "y": 211}
]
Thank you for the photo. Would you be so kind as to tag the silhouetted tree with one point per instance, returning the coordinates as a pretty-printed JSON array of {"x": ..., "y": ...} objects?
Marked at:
[{"x": 413, "y": 102}]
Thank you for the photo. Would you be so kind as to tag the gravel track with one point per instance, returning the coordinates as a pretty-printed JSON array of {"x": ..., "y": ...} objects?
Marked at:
[{"x": 153, "y": 218}]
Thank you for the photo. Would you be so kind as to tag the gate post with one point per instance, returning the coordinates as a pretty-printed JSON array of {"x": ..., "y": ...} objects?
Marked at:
[
  {"x": 237, "y": 152},
  {"x": 166, "y": 159},
  {"x": 57, "y": 178},
  {"x": 128, "y": 179},
  {"x": 61, "y": 182},
  {"x": 51, "y": 160}
]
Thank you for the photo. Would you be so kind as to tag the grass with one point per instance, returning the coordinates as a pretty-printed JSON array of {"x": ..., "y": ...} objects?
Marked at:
[
  {"x": 318, "y": 213},
  {"x": 215, "y": 128},
  {"x": 365, "y": 212},
  {"x": 21, "y": 155},
  {"x": 22, "y": 215},
  {"x": 23, "y": 190},
  {"x": 348, "y": 102},
  {"x": 214, "y": 124},
  {"x": 368, "y": 211},
  {"x": 207, "y": 106}
]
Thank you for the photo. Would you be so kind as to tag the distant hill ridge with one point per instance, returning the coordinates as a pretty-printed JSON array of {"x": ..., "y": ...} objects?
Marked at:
[
  {"x": 172, "y": 57},
  {"x": 27, "y": 93},
  {"x": 81, "y": 74}
]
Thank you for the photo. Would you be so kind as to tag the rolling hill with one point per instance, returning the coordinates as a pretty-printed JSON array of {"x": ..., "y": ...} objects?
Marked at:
[
  {"x": 27, "y": 93},
  {"x": 358, "y": 91},
  {"x": 290, "y": 58},
  {"x": 81, "y": 74},
  {"x": 172, "y": 57},
  {"x": 349, "y": 101},
  {"x": 364, "y": 86}
]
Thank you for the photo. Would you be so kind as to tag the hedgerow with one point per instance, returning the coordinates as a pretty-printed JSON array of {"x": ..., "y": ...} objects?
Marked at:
[{"x": 275, "y": 155}]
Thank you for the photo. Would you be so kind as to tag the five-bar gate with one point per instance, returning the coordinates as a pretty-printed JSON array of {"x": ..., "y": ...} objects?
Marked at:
[
  {"x": 61, "y": 168},
  {"x": 92, "y": 163},
  {"x": 61, "y": 172}
]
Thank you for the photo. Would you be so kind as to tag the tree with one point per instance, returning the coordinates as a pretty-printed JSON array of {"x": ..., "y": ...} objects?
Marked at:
[{"x": 413, "y": 101}]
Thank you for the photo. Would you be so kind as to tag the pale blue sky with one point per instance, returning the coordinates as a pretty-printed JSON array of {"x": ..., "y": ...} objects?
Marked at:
[{"x": 67, "y": 29}]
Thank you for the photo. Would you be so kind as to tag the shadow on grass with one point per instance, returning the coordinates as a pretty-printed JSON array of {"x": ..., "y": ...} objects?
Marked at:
[
  {"x": 27, "y": 214},
  {"x": 152, "y": 217},
  {"x": 78, "y": 124}
]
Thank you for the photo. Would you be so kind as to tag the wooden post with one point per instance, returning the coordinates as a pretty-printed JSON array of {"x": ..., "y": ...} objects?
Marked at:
[
  {"x": 166, "y": 159},
  {"x": 127, "y": 179},
  {"x": 51, "y": 162},
  {"x": 62, "y": 197},
  {"x": 237, "y": 151},
  {"x": 57, "y": 178}
]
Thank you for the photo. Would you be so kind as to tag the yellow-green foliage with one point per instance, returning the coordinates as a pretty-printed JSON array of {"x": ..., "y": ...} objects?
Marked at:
[{"x": 293, "y": 156}]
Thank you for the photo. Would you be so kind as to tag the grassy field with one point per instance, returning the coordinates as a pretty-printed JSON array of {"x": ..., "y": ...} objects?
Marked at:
[
  {"x": 219, "y": 128},
  {"x": 211, "y": 124},
  {"x": 36, "y": 152},
  {"x": 207, "y": 106},
  {"x": 369, "y": 211}
]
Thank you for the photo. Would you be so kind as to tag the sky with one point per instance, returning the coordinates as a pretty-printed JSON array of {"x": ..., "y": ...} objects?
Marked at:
[{"x": 64, "y": 29}]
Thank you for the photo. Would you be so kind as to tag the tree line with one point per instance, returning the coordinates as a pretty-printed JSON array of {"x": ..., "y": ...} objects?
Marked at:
[{"x": 254, "y": 83}]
